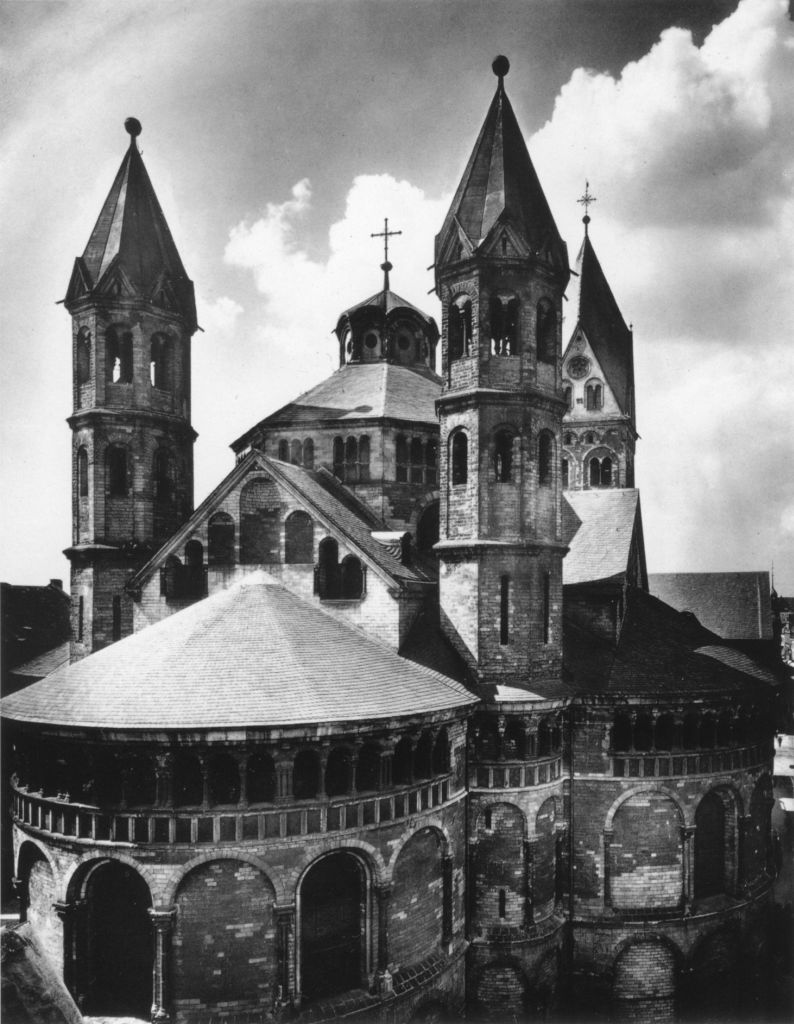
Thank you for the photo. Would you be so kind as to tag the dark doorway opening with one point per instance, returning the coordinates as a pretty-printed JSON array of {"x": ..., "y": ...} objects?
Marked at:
[{"x": 332, "y": 927}]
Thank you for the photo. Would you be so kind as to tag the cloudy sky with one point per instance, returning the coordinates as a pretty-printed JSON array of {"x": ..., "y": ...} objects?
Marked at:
[{"x": 278, "y": 136}]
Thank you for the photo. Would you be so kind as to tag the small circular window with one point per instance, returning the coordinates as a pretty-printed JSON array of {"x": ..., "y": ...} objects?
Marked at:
[
  {"x": 371, "y": 340},
  {"x": 578, "y": 367}
]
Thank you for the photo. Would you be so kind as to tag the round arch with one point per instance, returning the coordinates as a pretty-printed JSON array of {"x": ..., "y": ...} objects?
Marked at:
[{"x": 650, "y": 787}]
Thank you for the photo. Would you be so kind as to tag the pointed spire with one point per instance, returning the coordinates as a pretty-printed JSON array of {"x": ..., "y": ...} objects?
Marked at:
[
  {"x": 500, "y": 184},
  {"x": 131, "y": 236}
]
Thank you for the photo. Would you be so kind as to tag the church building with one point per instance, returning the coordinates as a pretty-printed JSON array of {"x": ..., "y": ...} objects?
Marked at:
[{"x": 389, "y": 727}]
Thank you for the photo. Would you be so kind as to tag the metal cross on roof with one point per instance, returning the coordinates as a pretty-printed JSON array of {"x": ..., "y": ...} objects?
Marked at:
[
  {"x": 385, "y": 235},
  {"x": 586, "y": 200}
]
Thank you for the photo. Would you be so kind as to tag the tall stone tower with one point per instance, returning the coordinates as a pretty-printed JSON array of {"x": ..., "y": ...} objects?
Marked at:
[
  {"x": 133, "y": 314},
  {"x": 600, "y": 429},
  {"x": 501, "y": 271}
]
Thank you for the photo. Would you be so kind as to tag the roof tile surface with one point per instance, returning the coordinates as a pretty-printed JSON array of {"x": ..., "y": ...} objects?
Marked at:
[{"x": 734, "y": 605}]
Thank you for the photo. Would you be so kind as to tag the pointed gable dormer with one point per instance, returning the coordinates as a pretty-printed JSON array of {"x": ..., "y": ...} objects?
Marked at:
[
  {"x": 598, "y": 378},
  {"x": 131, "y": 246}
]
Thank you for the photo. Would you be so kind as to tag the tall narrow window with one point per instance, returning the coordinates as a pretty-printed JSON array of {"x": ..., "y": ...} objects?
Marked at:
[
  {"x": 351, "y": 578},
  {"x": 82, "y": 472},
  {"x": 295, "y": 452},
  {"x": 339, "y": 458},
  {"x": 283, "y": 450},
  {"x": 117, "y": 483},
  {"x": 431, "y": 462},
  {"x": 83, "y": 355},
  {"x": 546, "y": 331},
  {"x": 504, "y": 610},
  {"x": 496, "y": 322},
  {"x": 328, "y": 579},
  {"x": 80, "y": 614},
  {"x": 308, "y": 453},
  {"x": 546, "y": 607},
  {"x": 594, "y": 396},
  {"x": 503, "y": 456},
  {"x": 502, "y": 903},
  {"x": 119, "y": 356},
  {"x": 460, "y": 458},
  {"x": 158, "y": 362},
  {"x": 565, "y": 472},
  {"x": 363, "y": 458},
  {"x": 545, "y": 459},
  {"x": 417, "y": 461},
  {"x": 401, "y": 452},
  {"x": 567, "y": 393},
  {"x": 351, "y": 461},
  {"x": 459, "y": 329},
  {"x": 298, "y": 538},
  {"x": 220, "y": 539},
  {"x": 117, "y": 618},
  {"x": 606, "y": 472}
]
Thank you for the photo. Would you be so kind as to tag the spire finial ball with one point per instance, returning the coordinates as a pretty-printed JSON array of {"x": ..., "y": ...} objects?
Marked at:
[
  {"x": 501, "y": 66},
  {"x": 133, "y": 126}
]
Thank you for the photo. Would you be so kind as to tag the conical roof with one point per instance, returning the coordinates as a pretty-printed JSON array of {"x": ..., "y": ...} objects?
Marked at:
[
  {"x": 597, "y": 313},
  {"x": 253, "y": 655},
  {"x": 131, "y": 234},
  {"x": 500, "y": 182}
]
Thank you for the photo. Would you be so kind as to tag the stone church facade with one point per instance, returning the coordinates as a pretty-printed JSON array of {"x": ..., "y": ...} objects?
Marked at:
[{"x": 388, "y": 727}]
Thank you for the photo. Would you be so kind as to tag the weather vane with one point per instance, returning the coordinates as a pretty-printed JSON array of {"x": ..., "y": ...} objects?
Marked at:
[
  {"x": 586, "y": 200},
  {"x": 385, "y": 235}
]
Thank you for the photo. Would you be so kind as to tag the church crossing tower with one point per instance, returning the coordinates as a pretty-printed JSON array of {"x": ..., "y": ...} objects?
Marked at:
[{"x": 133, "y": 314}]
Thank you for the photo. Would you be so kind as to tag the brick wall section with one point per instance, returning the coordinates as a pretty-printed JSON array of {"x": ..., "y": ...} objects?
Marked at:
[
  {"x": 500, "y": 993},
  {"x": 544, "y": 872},
  {"x": 41, "y": 887},
  {"x": 645, "y": 985},
  {"x": 224, "y": 941},
  {"x": 499, "y": 867},
  {"x": 646, "y": 857},
  {"x": 417, "y": 901}
]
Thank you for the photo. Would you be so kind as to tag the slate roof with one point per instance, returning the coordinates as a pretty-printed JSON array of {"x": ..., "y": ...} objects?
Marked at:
[
  {"x": 388, "y": 301},
  {"x": 254, "y": 655},
  {"x": 131, "y": 229},
  {"x": 359, "y": 391},
  {"x": 319, "y": 491},
  {"x": 593, "y": 307},
  {"x": 659, "y": 651},
  {"x": 601, "y": 546},
  {"x": 734, "y": 605},
  {"x": 500, "y": 182}
]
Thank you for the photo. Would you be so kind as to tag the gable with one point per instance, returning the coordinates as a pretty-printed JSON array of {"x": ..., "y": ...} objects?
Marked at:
[{"x": 580, "y": 367}]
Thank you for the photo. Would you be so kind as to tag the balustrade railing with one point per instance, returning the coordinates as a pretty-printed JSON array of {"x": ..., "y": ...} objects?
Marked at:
[
  {"x": 165, "y": 825},
  {"x": 653, "y": 764},
  {"x": 515, "y": 775}
]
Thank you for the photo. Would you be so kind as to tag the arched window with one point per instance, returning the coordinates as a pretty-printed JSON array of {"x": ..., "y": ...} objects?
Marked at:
[
  {"x": 332, "y": 931},
  {"x": 441, "y": 753},
  {"x": 544, "y": 738},
  {"x": 117, "y": 475},
  {"x": 401, "y": 447},
  {"x": 223, "y": 777},
  {"x": 570, "y": 439},
  {"x": 459, "y": 328},
  {"x": 565, "y": 471},
  {"x": 460, "y": 458},
  {"x": 545, "y": 459},
  {"x": 283, "y": 450},
  {"x": 368, "y": 768},
  {"x": 260, "y": 507},
  {"x": 514, "y": 740},
  {"x": 328, "y": 580},
  {"x": 220, "y": 539},
  {"x": 567, "y": 394},
  {"x": 188, "y": 780},
  {"x": 352, "y": 578},
  {"x": 83, "y": 355},
  {"x": 119, "y": 356},
  {"x": 260, "y": 779},
  {"x": 163, "y": 477},
  {"x": 338, "y": 772},
  {"x": 402, "y": 770},
  {"x": 363, "y": 458},
  {"x": 589, "y": 438},
  {"x": 295, "y": 452},
  {"x": 298, "y": 538},
  {"x": 417, "y": 461},
  {"x": 503, "y": 456},
  {"x": 594, "y": 396},
  {"x": 431, "y": 462},
  {"x": 643, "y": 732},
  {"x": 351, "y": 461},
  {"x": 504, "y": 610},
  {"x": 158, "y": 362},
  {"x": 487, "y": 742},
  {"x": 600, "y": 471},
  {"x": 496, "y": 324},
  {"x": 194, "y": 566},
  {"x": 308, "y": 453},
  {"x": 546, "y": 332},
  {"x": 339, "y": 458},
  {"x": 423, "y": 758},
  {"x": 621, "y": 733},
  {"x": 82, "y": 472},
  {"x": 305, "y": 775}
]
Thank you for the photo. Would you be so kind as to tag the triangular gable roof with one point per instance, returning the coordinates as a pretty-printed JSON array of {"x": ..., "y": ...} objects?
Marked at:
[
  {"x": 359, "y": 391},
  {"x": 734, "y": 605},
  {"x": 609, "y": 536},
  {"x": 500, "y": 179},
  {"x": 283, "y": 661},
  {"x": 322, "y": 494},
  {"x": 132, "y": 229},
  {"x": 595, "y": 310}
]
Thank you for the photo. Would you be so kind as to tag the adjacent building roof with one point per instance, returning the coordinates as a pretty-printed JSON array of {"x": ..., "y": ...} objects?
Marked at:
[
  {"x": 254, "y": 655},
  {"x": 131, "y": 233},
  {"x": 660, "y": 651},
  {"x": 500, "y": 182},
  {"x": 594, "y": 309},
  {"x": 609, "y": 537},
  {"x": 734, "y": 605},
  {"x": 359, "y": 391}
]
